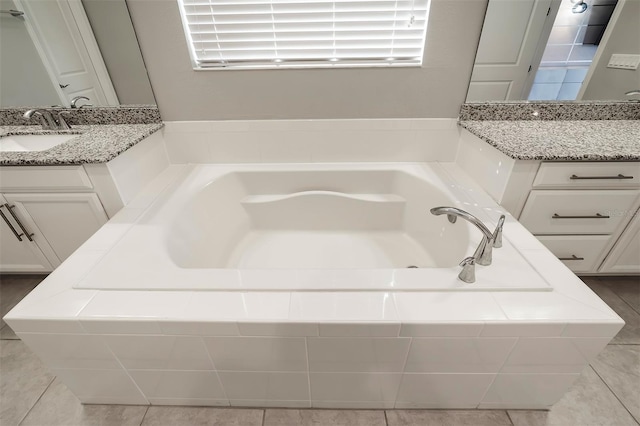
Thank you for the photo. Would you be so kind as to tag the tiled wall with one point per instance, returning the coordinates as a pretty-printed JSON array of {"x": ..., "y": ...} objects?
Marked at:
[{"x": 305, "y": 141}]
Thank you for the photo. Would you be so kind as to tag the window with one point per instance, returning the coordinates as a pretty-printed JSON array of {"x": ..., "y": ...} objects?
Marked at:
[{"x": 232, "y": 34}]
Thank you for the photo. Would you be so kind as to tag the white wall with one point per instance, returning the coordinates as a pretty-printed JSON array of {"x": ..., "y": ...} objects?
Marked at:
[
  {"x": 23, "y": 79},
  {"x": 609, "y": 83},
  {"x": 437, "y": 89}
]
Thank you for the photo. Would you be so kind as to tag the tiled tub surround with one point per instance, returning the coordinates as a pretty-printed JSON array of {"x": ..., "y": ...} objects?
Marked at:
[
  {"x": 94, "y": 144},
  {"x": 373, "y": 349}
]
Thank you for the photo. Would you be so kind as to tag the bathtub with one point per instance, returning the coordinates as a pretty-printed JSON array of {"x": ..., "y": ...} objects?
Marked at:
[
  {"x": 289, "y": 285},
  {"x": 321, "y": 228}
]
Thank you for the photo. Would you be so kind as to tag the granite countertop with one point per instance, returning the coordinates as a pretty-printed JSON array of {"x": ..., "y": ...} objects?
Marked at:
[
  {"x": 94, "y": 144},
  {"x": 583, "y": 140}
]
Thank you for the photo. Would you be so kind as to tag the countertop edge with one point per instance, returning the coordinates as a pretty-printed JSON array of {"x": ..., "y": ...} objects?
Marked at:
[{"x": 95, "y": 144}]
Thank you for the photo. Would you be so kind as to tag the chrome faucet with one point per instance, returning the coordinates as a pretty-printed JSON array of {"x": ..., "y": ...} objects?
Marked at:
[
  {"x": 75, "y": 100},
  {"x": 45, "y": 117},
  {"x": 47, "y": 120},
  {"x": 483, "y": 254}
]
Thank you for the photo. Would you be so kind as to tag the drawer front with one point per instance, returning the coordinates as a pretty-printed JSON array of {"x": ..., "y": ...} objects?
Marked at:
[
  {"x": 43, "y": 178},
  {"x": 588, "y": 175},
  {"x": 578, "y": 212},
  {"x": 579, "y": 253}
]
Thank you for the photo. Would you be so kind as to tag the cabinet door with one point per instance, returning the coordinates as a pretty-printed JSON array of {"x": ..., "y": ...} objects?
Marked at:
[
  {"x": 624, "y": 258},
  {"x": 64, "y": 221},
  {"x": 17, "y": 253}
]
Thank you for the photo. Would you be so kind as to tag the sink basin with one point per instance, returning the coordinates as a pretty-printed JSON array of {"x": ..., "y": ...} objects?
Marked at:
[{"x": 32, "y": 142}]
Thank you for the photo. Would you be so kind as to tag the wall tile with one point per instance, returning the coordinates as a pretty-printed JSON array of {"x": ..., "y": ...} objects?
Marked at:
[
  {"x": 160, "y": 352},
  {"x": 257, "y": 353},
  {"x": 71, "y": 350},
  {"x": 442, "y": 390},
  {"x": 535, "y": 391},
  {"x": 285, "y": 386},
  {"x": 102, "y": 386},
  {"x": 357, "y": 354},
  {"x": 352, "y": 387},
  {"x": 458, "y": 355},
  {"x": 553, "y": 355},
  {"x": 184, "y": 385}
]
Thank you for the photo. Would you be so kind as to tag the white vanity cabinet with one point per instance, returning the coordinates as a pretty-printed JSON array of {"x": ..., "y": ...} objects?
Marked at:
[
  {"x": 582, "y": 211},
  {"x": 624, "y": 258},
  {"x": 579, "y": 210},
  {"x": 60, "y": 207},
  {"x": 48, "y": 212},
  {"x": 17, "y": 252}
]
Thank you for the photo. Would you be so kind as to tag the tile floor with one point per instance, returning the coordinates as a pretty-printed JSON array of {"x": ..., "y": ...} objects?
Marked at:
[{"x": 608, "y": 393}]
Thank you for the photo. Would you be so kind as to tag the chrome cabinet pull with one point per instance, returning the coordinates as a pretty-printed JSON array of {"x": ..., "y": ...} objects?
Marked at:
[
  {"x": 596, "y": 216},
  {"x": 18, "y": 236},
  {"x": 620, "y": 176},
  {"x": 573, "y": 257},
  {"x": 26, "y": 233}
]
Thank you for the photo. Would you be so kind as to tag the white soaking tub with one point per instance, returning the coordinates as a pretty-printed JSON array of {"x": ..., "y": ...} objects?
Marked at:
[
  {"x": 288, "y": 285},
  {"x": 309, "y": 228}
]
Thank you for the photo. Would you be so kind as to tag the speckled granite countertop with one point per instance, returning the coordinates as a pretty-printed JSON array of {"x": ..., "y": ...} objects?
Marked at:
[
  {"x": 586, "y": 140},
  {"x": 94, "y": 144}
]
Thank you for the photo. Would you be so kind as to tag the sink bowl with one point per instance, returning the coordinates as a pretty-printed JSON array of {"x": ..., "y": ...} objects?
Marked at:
[{"x": 32, "y": 142}]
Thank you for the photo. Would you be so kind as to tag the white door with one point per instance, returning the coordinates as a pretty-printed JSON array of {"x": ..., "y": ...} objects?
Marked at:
[
  {"x": 624, "y": 258},
  {"x": 513, "y": 38},
  {"x": 64, "y": 221},
  {"x": 62, "y": 35},
  {"x": 17, "y": 253}
]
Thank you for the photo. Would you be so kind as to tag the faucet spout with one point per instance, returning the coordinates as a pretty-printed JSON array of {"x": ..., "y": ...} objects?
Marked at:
[
  {"x": 483, "y": 253},
  {"x": 453, "y": 213},
  {"x": 46, "y": 118}
]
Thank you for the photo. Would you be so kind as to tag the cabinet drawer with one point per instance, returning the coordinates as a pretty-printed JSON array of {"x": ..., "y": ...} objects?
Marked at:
[
  {"x": 42, "y": 178},
  {"x": 579, "y": 253},
  {"x": 578, "y": 212},
  {"x": 588, "y": 175}
]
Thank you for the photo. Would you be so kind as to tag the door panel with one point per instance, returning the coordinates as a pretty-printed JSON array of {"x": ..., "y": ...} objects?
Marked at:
[
  {"x": 508, "y": 47},
  {"x": 16, "y": 255},
  {"x": 65, "y": 221}
]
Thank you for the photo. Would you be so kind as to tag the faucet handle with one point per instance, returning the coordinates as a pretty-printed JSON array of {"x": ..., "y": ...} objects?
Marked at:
[
  {"x": 468, "y": 273},
  {"x": 497, "y": 234}
]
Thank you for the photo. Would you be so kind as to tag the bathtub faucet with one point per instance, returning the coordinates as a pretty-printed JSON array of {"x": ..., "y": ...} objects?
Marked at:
[{"x": 483, "y": 254}]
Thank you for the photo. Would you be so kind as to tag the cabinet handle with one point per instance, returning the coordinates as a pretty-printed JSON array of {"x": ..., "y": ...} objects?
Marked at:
[
  {"x": 620, "y": 176},
  {"x": 26, "y": 233},
  {"x": 573, "y": 257},
  {"x": 18, "y": 236},
  {"x": 596, "y": 216}
]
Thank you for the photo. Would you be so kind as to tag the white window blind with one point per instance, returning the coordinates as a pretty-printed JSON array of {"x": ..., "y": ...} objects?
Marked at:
[{"x": 304, "y": 33}]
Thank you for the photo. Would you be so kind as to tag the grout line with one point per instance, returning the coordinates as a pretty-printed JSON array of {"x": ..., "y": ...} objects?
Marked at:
[
  {"x": 264, "y": 416},
  {"x": 509, "y": 417},
  {"x": 144, "y": 415},
  {"x": 613, "y": 393},
  {"x": 625, "y": 302},
  {"x": 37, "y": 400},
  {"x": 386, "y": 420}
]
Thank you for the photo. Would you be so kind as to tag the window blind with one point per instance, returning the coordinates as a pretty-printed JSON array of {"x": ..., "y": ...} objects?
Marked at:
[{"x": 304, "y": 33}]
